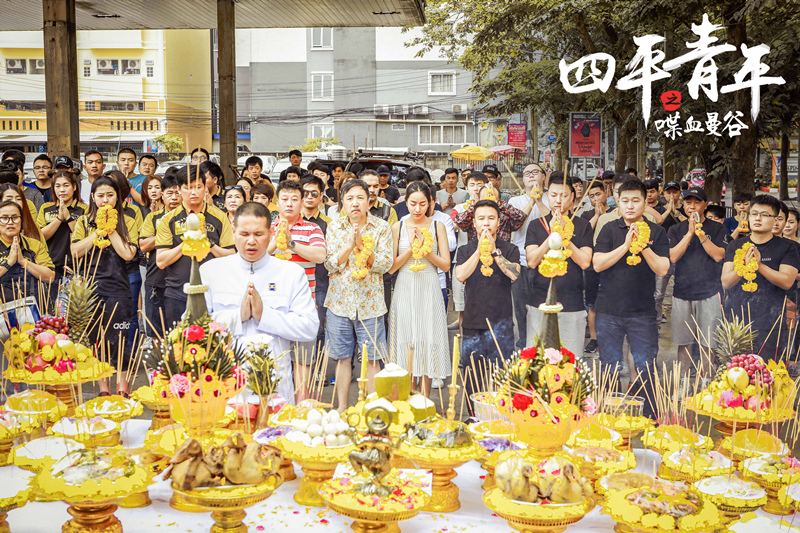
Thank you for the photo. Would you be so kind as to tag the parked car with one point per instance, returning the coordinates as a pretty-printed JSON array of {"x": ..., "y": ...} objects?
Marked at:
[
  {"x": 162, "y": 168},
  {"x": 269, "y": 161},
  {"x": 398, "y": 161}
]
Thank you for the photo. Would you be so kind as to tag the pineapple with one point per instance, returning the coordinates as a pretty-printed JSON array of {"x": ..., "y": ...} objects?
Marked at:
[
  {"x": 80, "y": 304},
  {"x": 733, "y": 337}
]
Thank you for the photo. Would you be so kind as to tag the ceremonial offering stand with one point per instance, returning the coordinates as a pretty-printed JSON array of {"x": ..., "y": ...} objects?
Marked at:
[
  {"x": 536, "y": 518},
  {"x": 93, "y": 517},
  {"x": 227, "y": 504},
  {"x": 318, "y": 464}
]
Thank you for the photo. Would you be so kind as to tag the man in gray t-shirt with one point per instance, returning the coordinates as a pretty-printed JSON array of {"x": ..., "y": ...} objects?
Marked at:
[{"x": 450, "y": 195}]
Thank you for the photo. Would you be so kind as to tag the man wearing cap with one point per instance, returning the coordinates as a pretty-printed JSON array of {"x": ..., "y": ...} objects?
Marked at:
[
  {"x": 390, "y": 193},
  {"x": 697, "y": 260},
  {"x": 496, "y": 180},
  {"x": 31, "y": 192}
]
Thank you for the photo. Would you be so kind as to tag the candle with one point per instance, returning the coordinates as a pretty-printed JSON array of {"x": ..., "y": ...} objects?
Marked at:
[
  {"x": 364, "y": 362},
  {"x": 456, "y": 358}
]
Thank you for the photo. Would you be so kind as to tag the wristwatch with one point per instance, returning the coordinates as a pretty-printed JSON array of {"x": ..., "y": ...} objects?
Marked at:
[
  {"x": 497, "y": 253},
  {"x": 292, "y": 244}
]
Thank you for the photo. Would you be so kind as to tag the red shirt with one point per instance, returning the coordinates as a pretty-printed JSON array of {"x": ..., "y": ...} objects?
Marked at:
[{"x": 308, "y": 233}]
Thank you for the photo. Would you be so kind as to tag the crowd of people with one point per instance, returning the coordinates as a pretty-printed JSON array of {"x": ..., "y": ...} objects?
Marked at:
[{"x": 330, "y": 262}]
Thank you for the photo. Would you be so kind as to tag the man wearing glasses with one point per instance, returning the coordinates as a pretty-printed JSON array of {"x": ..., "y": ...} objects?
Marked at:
[
  {"x": 41, "y": 169},
  {"x": 778, "y": 264},
  {"x": 532, "y": 177}
]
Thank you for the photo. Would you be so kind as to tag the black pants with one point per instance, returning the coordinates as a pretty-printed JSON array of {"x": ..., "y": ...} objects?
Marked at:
[
  {"x": 175, "y": 307},
  {"x": 116, "y": 314},
  {"x": 155, "y": 310},
  {"x": 521, "y": 295}
]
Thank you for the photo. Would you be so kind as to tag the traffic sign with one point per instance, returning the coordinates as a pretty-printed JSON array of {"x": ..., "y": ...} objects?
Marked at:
[{"x": 551, "y": 137}]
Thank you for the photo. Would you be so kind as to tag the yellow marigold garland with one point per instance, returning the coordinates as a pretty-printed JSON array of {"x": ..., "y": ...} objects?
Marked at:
[
  {"x": 698, "y": 228},
  {"x": 551, "y": 267},
  {"x": 282, "y": 243},
  {"x": 639, "y": 243},
  {"x": 566, "y": 228},
  {"x": 490, "y": 195},
  {"x": 106, "y": 222},
  {"x": 421, "y": 249},
  {"x": 535, "y": 193},
  {"x": 746, "y": 271},
  {"x": 486, "y": 256},
  {"x": 362, "y": 256}
]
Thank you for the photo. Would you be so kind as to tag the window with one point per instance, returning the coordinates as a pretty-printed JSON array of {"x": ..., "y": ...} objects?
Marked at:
[
  {"x": 121, "y": 106},
  {"x": 16, "y": 66},
  {"x": 112, "y": 125},
  {"x": 322, "y": 38},
  {"x": 87, "y": 72},
  {"x": 88, "y": 106},
  {"x": 152, "y": 128},
  {"x": 441, "y": 83},
  {"x": 36, "y": 66},
  {"x": 445, "y": 134},
  {"x": 131, "y": 67},
  {"x": 150, "y": 72},
  {"x": 108, "y": 67},
  {"x": 398, "y": 126},
  {"x": 242, "y": 126},
  {"x": 321, "y": 130},
  {"x": 322, "y": 86}
]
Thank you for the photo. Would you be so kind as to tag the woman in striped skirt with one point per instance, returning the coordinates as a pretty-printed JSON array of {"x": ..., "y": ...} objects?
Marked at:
[{"x": 418, "y": 318}]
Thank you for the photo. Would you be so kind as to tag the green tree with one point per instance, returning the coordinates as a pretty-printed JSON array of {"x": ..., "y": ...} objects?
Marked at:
[
  {"x": 317, "y": 144},
  {"x": 170, "y": 143}
]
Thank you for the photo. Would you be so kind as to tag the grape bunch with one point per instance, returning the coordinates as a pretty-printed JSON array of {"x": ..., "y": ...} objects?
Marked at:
[
  {"x": 55, "y": 323},
  {"x": 755, "y": 367}
]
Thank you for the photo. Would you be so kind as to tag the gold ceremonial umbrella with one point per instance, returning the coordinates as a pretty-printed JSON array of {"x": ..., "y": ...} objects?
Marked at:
[{"x": 472, "y": 153}]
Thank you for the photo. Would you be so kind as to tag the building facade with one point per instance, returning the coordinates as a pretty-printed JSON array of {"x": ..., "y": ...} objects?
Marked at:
[
  {"x": 133, "y": 86},
  {"x": 361, "y": 85}
]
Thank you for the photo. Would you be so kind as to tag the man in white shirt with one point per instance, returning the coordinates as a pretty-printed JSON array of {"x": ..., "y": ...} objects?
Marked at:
[
  {"x": 450, "y": 195},
  {"x": 255, "y": 293},
  {"x": 532, "y": 178}
]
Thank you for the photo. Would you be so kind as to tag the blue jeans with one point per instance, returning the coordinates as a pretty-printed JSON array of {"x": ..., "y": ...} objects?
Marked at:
[
  {"x": 155, "y": 310},
  {"x": 444, "y": 294},
  {"x": 319, "y": 297},
  {"x": 135, "y": 280},
  {"x": 344, "y": 335},
  {"x": 642, "y": 333},
  {"x": 478, "y": 345}
]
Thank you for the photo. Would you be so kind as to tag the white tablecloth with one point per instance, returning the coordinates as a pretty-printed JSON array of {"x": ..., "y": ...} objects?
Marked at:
[{"x": 281, "y": 513}]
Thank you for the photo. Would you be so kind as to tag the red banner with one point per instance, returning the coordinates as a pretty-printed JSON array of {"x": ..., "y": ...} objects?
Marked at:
[
  {"x": 516, "y": 135},
  {"x": 585, "y": 135}
]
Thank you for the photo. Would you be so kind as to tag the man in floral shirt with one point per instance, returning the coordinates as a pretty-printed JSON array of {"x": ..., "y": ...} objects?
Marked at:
[
  {"x": 511, "y": 218},
  {"x": 360, "y": 251}
]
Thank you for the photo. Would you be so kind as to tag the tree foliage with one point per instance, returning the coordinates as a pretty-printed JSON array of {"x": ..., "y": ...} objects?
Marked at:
[
  {"x": 170, "y": 142},
  {"x": 317, "y": 144},
  {"x": 513, "y": 48}
]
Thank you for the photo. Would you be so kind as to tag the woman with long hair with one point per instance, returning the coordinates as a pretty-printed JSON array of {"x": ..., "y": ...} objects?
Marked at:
[
  {"x": 151, "y": 195},
  {"x": 22, "y": 260},
  {"x": 57, "y": 220},
  {"x": 9, "y": 191},
  {"x": 418, "y": 318},
  {"x": 103, "y": 260},
  {"x": 246, "y": 184},
  {"x": 234, "y": 198}
]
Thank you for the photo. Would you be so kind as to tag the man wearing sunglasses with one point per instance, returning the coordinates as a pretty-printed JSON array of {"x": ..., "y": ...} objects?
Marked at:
[{"x": 778, "y": 264}]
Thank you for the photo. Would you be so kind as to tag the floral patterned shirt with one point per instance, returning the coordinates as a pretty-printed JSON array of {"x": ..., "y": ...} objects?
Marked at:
[
  {"x": 350, "y": 297},
  {"x": 511, "y": 219}
]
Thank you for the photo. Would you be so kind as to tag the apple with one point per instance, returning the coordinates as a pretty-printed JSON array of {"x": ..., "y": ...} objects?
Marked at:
[
  {"x": 46, "y": 338},
  {"x": 737, "y": 378}
]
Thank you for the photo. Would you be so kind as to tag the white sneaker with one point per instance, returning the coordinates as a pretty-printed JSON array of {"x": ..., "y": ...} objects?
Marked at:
[
  {"x": 453, "y": 325},
  {"x": 437, "y": 384}
]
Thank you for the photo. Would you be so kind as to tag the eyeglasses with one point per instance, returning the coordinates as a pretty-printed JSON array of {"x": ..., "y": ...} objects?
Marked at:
[
  {"x": 42, "y": 168},
  {"x": 199, "y": 158},
  {"x": 10, "y": 220},
  {"x": 759, "y": 216},
  {"x": 312, "y": 194},
  {"x": 533, "y": 172},
  {"x": 234, "y": 188}
]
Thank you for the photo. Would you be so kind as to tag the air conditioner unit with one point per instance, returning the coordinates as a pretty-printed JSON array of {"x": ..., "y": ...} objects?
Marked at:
[
  {"x": 104, "y": 63},
  {"x": 398, "y": 109},
  {"x": 130, "y": 107},
  {"x": 420, "y": 110},
  {"x": 459, "y": 109},
  {"x": 133, "y": 64},
  {"x": 149, "y": 62},
  {"x": 380, "y": 109},
  {"x": 40, "y": 63},
  {"x": 13, "y": 63}
]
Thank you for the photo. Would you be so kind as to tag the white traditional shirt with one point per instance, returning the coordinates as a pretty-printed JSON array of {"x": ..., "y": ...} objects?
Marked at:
[{"x": 289, "y": 313}]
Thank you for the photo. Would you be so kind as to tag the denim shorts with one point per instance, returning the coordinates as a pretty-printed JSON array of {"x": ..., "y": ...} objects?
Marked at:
[{"x": 344, "y": 335}]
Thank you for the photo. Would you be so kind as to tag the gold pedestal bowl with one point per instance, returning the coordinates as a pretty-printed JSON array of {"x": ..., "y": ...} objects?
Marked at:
[
  {"x": 442, "y": 463},
  {"x": 93, "y": 517},
  {"x": 535, "y": 518},
  {"x": 227, "y": 504},
  {"x": 318, "y": 464}
]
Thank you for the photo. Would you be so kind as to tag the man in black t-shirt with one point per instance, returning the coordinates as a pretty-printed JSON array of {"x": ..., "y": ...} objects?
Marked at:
[
  {"x": 778, "y": 264},
  {"x": 487, "y": 297},
  {"x": 390, "y": 193},
  {"x": 672, "y": 213},
  {"x": 625, "y": 304},
  {"x": 591, "y": 280},
  {"x": 696, "y": 303},
  {"x": 569, "y": 287}
]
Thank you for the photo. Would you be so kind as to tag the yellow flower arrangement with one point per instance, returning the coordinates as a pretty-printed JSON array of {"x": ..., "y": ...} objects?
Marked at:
[
  {"x": 671, "y": 438},
  {"x": 566, "y": 228},
  {"x": 746, "y": 271},
  {"x": 282, "y": 242},
  {"x": 551, "y": 267},
  {"x": 421, "y": 249},
  {"x": 486, "y": 256},
  {"x": 114, "y": 408},
  {"x": 409, "y": 494},
  {"x": 39, "y": 405},
  {"x": 617, "y": 506},
  {"x": 617, "y": 461},
  {"x": 692, "y": 464},
  {"x": 362, "y": 256},
  {"x": 760, "y": 470},
  {"x": 490, "y": 194},
  {"x": 535, "y": 193},
  {"x": 445, "y": 455},
  {"x": 498, "y": 502},
  {"x": 698, "y": 230},
  {"x": 106, "y": 222},
  {"x": 639, "y": 243},
  {"x": 731, "y": 491},
  {"x": 789, "y": 495},
  {"x": 753, "y": 442}
]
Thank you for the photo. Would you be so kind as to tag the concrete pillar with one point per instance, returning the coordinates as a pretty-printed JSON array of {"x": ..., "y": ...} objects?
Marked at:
[
  {"x": 61, "y": 79},
  {"x": 226, "y": 69}
]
